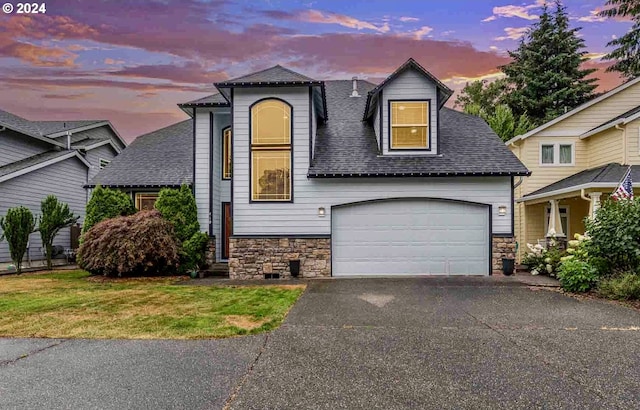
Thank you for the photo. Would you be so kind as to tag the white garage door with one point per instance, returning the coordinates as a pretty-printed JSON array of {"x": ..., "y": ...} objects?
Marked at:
[{"x": 410, "y": 237}]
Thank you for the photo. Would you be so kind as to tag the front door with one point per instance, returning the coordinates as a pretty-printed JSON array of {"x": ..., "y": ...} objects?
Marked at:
[{"x": 226, "y": 228}]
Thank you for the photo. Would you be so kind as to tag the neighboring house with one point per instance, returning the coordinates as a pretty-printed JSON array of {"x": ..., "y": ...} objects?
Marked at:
[
  {"x": 348, "y": 177},
  {"x": 577, "y": 160},
  {"x": 160, "y": 159},
  {"x": 38, "y": 158}
]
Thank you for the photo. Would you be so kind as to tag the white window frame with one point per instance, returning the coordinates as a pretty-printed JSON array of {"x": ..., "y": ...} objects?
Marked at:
[
  {"x": 101, "y": 161},
  {"x": 547, "y": 210},
  {"x": 556, "y": 154}
]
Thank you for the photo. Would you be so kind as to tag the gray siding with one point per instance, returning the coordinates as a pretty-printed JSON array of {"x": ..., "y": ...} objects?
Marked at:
[
  {"x": 64, "y": 179},
  {"x": 217, "y": 189},
  {"x": 93, "y": 157},
  {"x": 314, "y": 127},
  {"x": 409, "y": 85},
  {"x": 301, "y": 216},
  {"x": 376, "y": 124},
  {"x": 15, "y": 146}
]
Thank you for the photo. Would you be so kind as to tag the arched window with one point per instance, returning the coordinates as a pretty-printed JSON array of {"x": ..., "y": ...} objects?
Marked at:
[{"x": 271, "y": 151}]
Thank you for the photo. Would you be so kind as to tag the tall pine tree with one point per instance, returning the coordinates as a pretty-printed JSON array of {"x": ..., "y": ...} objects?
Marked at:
[
  {"x": 627, "y": 51},
  {"x": 545, "y": 78}
]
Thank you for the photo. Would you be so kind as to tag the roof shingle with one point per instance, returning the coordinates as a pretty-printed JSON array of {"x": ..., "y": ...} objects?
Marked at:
[
  {"x": 347, "y": 146},
  {"x": 160, "y": 158},
  {"x": 272, "y": 75}
]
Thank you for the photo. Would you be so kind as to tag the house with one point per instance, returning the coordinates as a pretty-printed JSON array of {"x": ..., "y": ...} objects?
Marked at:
[
  {"x": 577, "y": 160},
  {"x": 160, "y": 159},
  {"x": 350, "y": 178},
  {"x": 39, "y": 158}
]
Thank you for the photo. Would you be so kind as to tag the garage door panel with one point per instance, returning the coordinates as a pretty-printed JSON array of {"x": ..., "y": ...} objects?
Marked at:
[{"x": 410, "y": 237}]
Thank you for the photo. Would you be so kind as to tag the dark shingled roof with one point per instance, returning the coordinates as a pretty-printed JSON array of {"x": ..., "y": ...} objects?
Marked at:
[
  {"x": 347, "y": 146},
  {"x": 19, "y": 124},
  {"x": 31, "y": 161},
  {"x": 273, "y": 75},
  {"x": 160, "y": 158},
  {"x": 612, "y": 121},
  {"x": 209, "y": 101},
  {"x": 51, "y": 127},
  {"x": 609, "y": 174}
]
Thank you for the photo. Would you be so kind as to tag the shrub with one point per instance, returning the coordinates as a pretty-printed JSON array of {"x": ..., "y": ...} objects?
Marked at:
[
  {"x": 178, "y": 206},
  {"x": 194, "y": 250},
  {"x": 140, "y": 244},
  {"x": 615, "y": 236},
  {"x": 541, "y": 261},
  {"x": 16, "y": 226},
  {"x": 622, "y": 287},
  {"x": 577, "y": 275},
  {"x": 55, "y": 216},
  {"x": 106, "y": 203}
]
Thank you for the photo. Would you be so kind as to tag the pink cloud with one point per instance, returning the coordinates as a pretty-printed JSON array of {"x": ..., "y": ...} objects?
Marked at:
[{"x": 190, "y": 73}]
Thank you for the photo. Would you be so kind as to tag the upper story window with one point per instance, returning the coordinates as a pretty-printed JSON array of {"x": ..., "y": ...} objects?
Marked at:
[
  {"x": 271, "y": 151},
  {"x": 557, "y": 154},
  {"x": 146, "y": 201},
  {"x": 226, "y": 153},
  {"x": 409, "y": 125}
]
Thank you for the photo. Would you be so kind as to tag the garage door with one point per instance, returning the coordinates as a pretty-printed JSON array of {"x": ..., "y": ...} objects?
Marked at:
[{"x": 410, "y": 237}]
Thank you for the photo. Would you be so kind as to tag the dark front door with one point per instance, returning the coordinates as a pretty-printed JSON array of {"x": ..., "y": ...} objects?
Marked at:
[{"x": 226, "y": 228}]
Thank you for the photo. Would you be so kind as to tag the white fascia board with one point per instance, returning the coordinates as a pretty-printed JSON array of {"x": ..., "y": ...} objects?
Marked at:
[
  {"x": 574, "y": 111},
  {"x": 571, "y": 189}
]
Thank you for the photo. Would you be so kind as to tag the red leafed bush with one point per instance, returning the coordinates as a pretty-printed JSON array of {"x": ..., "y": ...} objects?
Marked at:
[{"x": 139, "y": 244}]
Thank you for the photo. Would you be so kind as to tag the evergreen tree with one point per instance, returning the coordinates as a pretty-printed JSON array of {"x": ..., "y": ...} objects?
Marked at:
[
  {"x": 485, "y": 95},
  {"x": 55, "y": 216},
  {"x": 16, "y": 227},
  {"x": 627, "y": 52},
  {"x": 545, "y": 78}
]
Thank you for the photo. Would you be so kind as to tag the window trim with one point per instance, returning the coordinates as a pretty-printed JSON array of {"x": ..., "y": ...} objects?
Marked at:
[
  {"x": 136, "y": 195},
  {"x": 547, "y": 209},
  {"x": 291, "y": 156},
  {"x": 224, "y": 151},
  {"x": 101, "y": 160},
  {"x": 429, "y": 125},
  {"x": 556, "y": 154}
]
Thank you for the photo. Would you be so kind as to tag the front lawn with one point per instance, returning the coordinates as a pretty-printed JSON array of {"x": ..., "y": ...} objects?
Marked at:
[{"x": 74, "y": 305}]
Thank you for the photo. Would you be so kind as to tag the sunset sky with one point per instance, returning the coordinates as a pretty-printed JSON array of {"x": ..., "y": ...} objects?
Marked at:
[{"x": 131, "y": 62}]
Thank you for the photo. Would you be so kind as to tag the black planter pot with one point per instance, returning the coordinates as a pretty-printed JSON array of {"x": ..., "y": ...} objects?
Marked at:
[
  {"x": 294, "y": 267},
  {"x": 508, "y": 265}
]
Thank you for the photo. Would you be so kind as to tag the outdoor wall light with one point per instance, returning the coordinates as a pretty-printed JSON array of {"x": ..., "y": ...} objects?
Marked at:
[
  {"x": 321, "y": 212},
  {"x": 502, "y": 210}
]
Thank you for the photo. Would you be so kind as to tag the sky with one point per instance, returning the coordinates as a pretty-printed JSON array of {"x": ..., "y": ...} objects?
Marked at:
[{"x": 132, "y": 62}]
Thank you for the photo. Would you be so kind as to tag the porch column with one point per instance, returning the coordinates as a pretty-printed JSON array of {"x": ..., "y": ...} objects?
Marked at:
[
  {"x": 594, "y": 204},
  {"x": 555, "y": 225}
]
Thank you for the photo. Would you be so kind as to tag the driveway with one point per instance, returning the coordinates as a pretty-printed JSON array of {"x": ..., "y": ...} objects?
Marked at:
[
  {"x": 446, "y": 343},
  {"x": 358, "y": 343}
]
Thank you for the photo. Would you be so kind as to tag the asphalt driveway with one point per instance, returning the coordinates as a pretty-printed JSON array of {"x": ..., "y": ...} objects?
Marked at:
[{"x": 356, "y": 343}]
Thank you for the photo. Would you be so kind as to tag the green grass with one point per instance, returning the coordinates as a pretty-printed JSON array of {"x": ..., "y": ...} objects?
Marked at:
[{"x": 74, "y": 305}]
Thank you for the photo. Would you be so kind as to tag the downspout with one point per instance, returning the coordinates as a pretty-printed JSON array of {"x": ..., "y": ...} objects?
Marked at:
[
  {"x": 584, "y": 196},
  {"x": 3, "y": 129},
  {"x": 518, "y": 183}
]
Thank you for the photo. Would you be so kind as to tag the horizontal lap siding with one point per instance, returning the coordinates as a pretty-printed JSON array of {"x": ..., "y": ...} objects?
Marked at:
[
  {"x": 201, "y": 177},
  {"x": 93, "y": 157},
  {"x": 633, "y": 142},
  {"x": 301, "y": 216},
  {"x": 545, "y": 175},
  {"x": 222, "y": 188},
  {"x": 65, "y": 180},
  {"x": 409, "y": 85},
  {"x": 605, "y": 148},
  {"x": 15, "y": 146},
  {"x": 599, "y": 113}
]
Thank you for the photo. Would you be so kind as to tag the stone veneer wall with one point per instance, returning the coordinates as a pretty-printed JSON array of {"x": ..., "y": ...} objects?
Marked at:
[
  {"x": 502, "y": 247},
  {"x": 252, "y": 258},
  {"x": 210, "y": 254}
]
